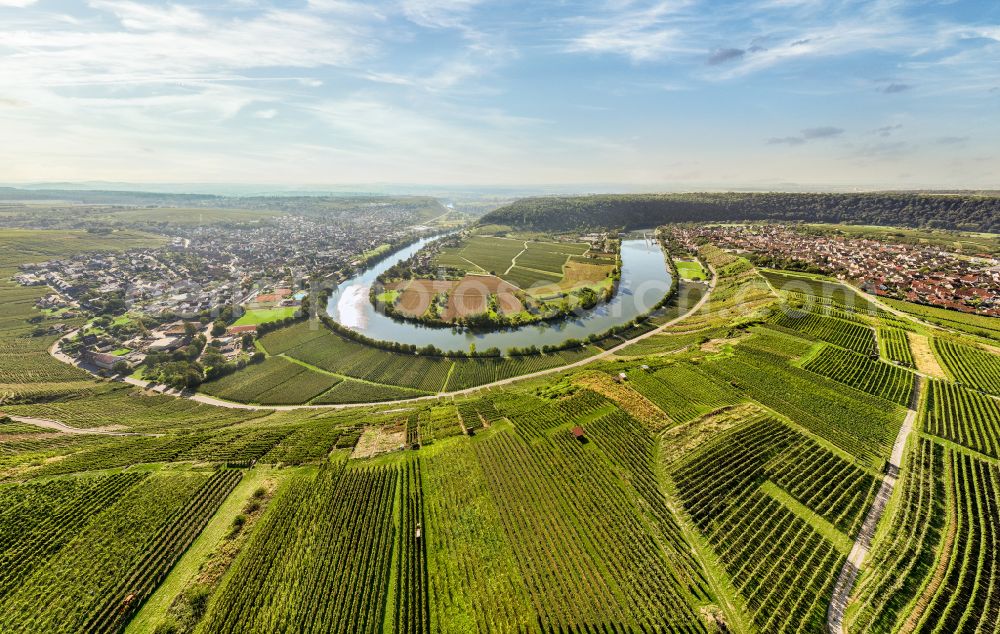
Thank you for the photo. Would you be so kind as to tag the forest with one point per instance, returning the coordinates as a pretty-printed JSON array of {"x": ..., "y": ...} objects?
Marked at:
[{"x": 631, "y": 211}]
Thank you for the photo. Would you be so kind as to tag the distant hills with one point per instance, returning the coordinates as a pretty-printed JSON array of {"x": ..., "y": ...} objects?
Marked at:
[{"x": 971, "y": 212}]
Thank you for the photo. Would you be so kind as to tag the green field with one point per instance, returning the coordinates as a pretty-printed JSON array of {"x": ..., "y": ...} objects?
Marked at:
[
  {"x": 690, "y": 270},
  {"x": 711, "y": 478},
  {"x": 524, "y": 263},
  {"x": 255, "y": 316}
]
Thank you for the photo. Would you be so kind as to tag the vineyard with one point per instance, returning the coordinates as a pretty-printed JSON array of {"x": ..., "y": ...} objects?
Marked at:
[
  {"x": 382, "y": 375},
  {"x": 978, "y": 325},
  {"x": 860, "y": 424},
  {"x": 333, "y": 353},
  {"x": 109, "y": 558},
  {"x": 971, "y": 366},
  {"x": 682, "y": 392},
  {"x": 781, "y": 560},
  {"x": 863, "y": 373},
  {"x": 274, "y": 381},
  {"x": 960, "y": 597},
  {"x": 824, "y": 295},
  {"x": 905, "y": 555},
  {"x": 963, "y": 416},
  {"x": 777, "y": 342},
  {"x": 711, "y": 478},
  {"x": 334, "y": 557},
  {"x": 840, "y": 332},
  {"x": 894, "y": 345},
  {"x": 134, "y": 411},
  {"x": 558, "y": 507}
]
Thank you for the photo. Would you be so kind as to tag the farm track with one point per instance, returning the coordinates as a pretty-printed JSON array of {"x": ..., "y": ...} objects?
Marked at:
[
  {"x": 208, "y": 400},
  {"x": 67, "y": 429},
  {"x": 852, "y": 567}
]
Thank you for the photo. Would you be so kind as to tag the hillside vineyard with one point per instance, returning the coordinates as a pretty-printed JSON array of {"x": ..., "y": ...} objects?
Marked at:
[{"x": 768, "y": 444}]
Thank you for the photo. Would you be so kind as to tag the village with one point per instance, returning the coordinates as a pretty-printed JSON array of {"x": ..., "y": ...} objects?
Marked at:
[
  {"x": 213, "y": 281},
  {"x": 916, "y": 273}
]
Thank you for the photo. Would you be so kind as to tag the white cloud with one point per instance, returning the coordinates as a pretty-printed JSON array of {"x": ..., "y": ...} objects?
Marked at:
[
  {"x": 270, "y": 113},
  {"x": 146, "y": 17},
  {"x": 17, "y": 4},
  {"x": 438, "y": 14},
  {"x": 641, "y": 34}
]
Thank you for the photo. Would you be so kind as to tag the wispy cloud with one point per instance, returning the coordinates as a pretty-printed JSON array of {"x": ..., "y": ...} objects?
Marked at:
[
  {"x": 822, "y": 132},
  {"x": 439, "y": 14},
  {"x": 895, "y": 88},
  {"x": 723, "y": 55},
  {"x": 951, "y": 140},
  {"x": 806, "y": 135},
  {"x": 641, "y": 33},
  {"x": 888, "y": 130},
  {"x": 476, "y": 90}
]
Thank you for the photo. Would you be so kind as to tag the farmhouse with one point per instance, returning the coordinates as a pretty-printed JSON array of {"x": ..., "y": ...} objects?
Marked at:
[{"x": 102, "y": 360}]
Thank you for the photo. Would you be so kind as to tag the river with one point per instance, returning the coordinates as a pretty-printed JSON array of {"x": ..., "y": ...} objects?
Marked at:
[{"x": 645, "y": 280}]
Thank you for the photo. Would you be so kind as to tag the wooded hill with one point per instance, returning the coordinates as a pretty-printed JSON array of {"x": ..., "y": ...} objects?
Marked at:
[{"x": 631, "y": 211}]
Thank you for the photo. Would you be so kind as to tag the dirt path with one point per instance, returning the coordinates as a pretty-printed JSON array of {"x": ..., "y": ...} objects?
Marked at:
[
  {"x": 67, "y": 429},
  {"x": 513, "y": 260},
  {"x": 852, "y": 567},
  {"x": 209, "y": 400}
]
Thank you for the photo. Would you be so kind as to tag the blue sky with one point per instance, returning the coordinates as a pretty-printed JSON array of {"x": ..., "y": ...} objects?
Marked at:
[{"x": 675, "y": 94}]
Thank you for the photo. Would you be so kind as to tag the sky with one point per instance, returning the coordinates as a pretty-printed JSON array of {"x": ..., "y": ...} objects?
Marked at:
[{"x": 613, "y": 93}]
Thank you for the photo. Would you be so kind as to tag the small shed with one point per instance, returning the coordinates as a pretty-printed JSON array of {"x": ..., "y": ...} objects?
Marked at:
[{"x": 578, "y": 433}]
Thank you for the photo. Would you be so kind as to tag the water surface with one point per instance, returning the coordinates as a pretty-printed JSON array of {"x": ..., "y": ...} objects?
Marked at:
[{"x": 645, "y": 280}]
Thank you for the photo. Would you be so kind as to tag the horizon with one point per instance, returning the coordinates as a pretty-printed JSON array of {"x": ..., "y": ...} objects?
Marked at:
[{"x": 823, "y": 95}]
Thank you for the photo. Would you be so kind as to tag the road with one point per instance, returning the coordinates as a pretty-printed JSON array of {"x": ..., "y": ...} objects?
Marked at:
[
  {"x": 852, "y": 567},
  {"x": 209, "y": 400},
  {"x": 67, "y": 429}
]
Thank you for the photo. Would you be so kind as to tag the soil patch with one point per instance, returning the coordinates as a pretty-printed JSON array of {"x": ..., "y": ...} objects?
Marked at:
[{"x": 924, "y": 357}]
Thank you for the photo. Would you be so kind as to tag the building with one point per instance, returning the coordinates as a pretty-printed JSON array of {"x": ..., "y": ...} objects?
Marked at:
[{"x": 103, "y": 360}]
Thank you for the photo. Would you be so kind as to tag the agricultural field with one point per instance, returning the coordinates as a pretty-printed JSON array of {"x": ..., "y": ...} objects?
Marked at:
[
  {"x": 860, "y": 424},
  {"x": 963, "y": 416},
  {"x": 711, "y": 478},
  {"x": 778, "y": 510},
  {"x": 904, "y": 555},
  {"x": 840, "y": 332},
  {"x": 485, "y": 282},
  {"x": 863, "y": 373},
  {"x": 336, "y": 354},
  {"x": 976, "y": 325},
  {"x": 969, "y": 365},
  {"x": 89, "y": 579},
  {"x": 690, "y": 270},
  {"x": 275, "y": 381},
  {"x": 255, "y": 316},
  {"x": 894, "y": 346}
]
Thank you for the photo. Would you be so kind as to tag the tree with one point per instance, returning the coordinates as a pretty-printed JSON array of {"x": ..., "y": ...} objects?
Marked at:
[{"x": 218, "y": 328}]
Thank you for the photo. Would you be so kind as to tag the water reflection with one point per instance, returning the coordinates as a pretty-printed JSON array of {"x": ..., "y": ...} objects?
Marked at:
[{"x": 645, "y": 280}]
